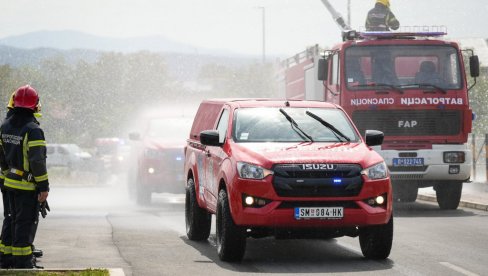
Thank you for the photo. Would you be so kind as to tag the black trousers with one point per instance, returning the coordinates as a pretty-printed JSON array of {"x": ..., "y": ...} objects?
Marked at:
[
  {"x": 6, "y": 234},
  {"x": 24, "y": 208}
]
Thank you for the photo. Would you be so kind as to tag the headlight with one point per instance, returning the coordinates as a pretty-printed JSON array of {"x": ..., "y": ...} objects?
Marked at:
[
  {"x": 378, "y": 171},
  {"x": 154, "y": 154},
  {"x": 454, "y": 157},
  {"x": 250, "y": 171}
]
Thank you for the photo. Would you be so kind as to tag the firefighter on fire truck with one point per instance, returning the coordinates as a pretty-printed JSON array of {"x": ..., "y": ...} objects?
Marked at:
[{"x": 381, "y": 18}]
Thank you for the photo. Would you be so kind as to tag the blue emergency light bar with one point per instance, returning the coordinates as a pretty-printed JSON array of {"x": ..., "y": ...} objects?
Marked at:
[
  {"x": 400, "y": 34},
  {"x": 407, "y": 32}
]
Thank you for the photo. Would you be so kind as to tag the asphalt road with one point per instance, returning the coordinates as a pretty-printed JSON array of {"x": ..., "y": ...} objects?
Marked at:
[{"x": 97, "y": 226}]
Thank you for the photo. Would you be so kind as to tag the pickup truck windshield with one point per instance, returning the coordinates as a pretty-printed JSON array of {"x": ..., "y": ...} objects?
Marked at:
[
  {"x": 268, "y": 124},
  {"x": 403, "y": 66}
]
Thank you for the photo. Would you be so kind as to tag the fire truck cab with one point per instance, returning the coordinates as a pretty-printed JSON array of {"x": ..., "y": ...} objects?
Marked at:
[{"x": 413, "y": 87}]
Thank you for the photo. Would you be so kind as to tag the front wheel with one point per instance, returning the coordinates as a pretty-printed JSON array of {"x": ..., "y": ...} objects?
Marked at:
[
  {"x": 231, "y": 238},
  {"x": 449, "y": 195},
  {"x": 198, "y": 220},
  {"x": 376, "y": 241}
]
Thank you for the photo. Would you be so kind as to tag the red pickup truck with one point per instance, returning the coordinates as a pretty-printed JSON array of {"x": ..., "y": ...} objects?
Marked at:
[{"x": 289, "y": 169}]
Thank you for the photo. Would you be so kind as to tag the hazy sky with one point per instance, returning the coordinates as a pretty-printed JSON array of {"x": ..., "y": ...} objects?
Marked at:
[{"x": 234, "y": 25}]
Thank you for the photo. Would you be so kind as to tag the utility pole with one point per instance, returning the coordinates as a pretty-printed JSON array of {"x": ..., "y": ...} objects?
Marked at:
[
  {"x": 263, "y": 10},
  {"x": 349, "y": 12}
]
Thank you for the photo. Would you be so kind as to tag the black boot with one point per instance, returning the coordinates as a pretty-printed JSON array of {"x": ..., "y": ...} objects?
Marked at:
[
  {"x": 37, "y": 252},
  {"x": 34, "y": 263}
]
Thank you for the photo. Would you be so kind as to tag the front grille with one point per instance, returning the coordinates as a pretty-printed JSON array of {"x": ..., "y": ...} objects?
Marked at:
[
  {"x": 409, "y": 122},
  {"x": 296, "y": 204},
  {"x": 408, "y": 169},
  {"x": 406, "y": 176},
  {"x": 338, "y": 180}
]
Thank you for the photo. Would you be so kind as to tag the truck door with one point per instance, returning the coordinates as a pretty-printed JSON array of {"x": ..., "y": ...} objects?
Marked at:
[
  {"x": 215, "y": 156},
  {"x": 333, "y": 83}
]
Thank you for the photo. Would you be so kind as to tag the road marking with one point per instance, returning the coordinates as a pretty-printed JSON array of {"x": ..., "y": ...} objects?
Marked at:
[{"x": 458, "y": 269}]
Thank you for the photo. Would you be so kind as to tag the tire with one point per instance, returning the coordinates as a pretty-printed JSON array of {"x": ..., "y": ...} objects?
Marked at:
[
  {"x": 231, "y": 239},
  {"x": 449, "y": 195},
  {"x": 376, "y": 241},
  {"x": 198, "y": 220}
]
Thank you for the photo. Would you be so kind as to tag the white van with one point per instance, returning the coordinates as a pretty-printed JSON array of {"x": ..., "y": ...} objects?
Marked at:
[{"x": 66, "y": 155}]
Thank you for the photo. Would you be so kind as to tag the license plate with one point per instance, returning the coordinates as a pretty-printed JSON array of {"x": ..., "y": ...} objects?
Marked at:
[
  {"x": 319, "y": 212},
  {"x": 408, "y": 162}
]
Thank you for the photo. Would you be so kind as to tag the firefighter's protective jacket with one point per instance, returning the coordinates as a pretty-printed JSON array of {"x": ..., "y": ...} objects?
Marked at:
[
  {"x": 23, "y": 153},
  {"x": 380, "y": 18}
]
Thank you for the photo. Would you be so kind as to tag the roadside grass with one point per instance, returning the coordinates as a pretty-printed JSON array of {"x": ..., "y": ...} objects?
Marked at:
[{"x": 87, "y": 272}]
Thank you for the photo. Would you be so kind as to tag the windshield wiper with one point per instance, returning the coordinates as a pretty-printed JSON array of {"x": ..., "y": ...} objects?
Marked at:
[
  {"x": 380, "y": 85},
  {"x": 427, "y": 85},
  {"x": 336, "y": 132},
  {"x": 295, "y": 126}
]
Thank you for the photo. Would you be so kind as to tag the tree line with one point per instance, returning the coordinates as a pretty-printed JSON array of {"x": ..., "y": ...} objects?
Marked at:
[{"x": 83, "y": 101}]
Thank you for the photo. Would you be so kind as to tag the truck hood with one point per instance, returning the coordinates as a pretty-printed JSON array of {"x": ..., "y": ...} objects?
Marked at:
[{"x": 268, "y": 154}]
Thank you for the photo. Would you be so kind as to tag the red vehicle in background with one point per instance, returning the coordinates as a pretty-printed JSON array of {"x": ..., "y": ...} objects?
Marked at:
[
  {"x": 413, "y": 87},
  {"x": 289, "y": 169},
  {"x": 112, "y": 153},
  {"x": 157, "y": 157}
]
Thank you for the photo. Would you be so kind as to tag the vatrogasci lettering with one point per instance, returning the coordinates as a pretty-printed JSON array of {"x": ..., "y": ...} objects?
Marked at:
[
  {"x": 11, "y": 139},
  {"x": 407, "y": 101}
]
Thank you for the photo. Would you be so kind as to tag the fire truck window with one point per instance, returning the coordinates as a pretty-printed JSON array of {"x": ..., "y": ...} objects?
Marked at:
[
  {"x": 334, "y": 80},
  {"x": 354, "y": 73},
  {"x": 383, "y": 69}
]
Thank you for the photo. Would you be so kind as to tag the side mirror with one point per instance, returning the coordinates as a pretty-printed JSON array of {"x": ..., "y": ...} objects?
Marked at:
[
  {"x": 134, "y": 136},
  {"x": 210, "y": 138},
  {"x": 374, "y": 137},
  {"x": 474, "y": 66},
  {"x": 323, "y": 69}
]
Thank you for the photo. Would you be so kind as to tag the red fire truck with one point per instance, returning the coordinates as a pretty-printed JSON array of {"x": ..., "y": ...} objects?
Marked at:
[{"x": 410, "y": 85}]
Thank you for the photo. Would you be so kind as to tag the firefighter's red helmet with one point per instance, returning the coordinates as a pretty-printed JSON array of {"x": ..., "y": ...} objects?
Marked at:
[{"x": 26, "y": 97}]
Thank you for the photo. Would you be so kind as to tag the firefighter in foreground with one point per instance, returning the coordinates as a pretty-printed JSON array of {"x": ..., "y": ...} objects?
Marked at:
[
  {"x": 23, "y": 163},
  {"x": 380, "y": 18}
]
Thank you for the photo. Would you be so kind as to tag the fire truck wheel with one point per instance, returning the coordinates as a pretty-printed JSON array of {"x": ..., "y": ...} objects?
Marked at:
[
  {"x": 449, "y": 194},
  {"x": 231, "y": 239},
  {"x": 376, "y": 241},
  {"x": 198, "y": 220}
]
